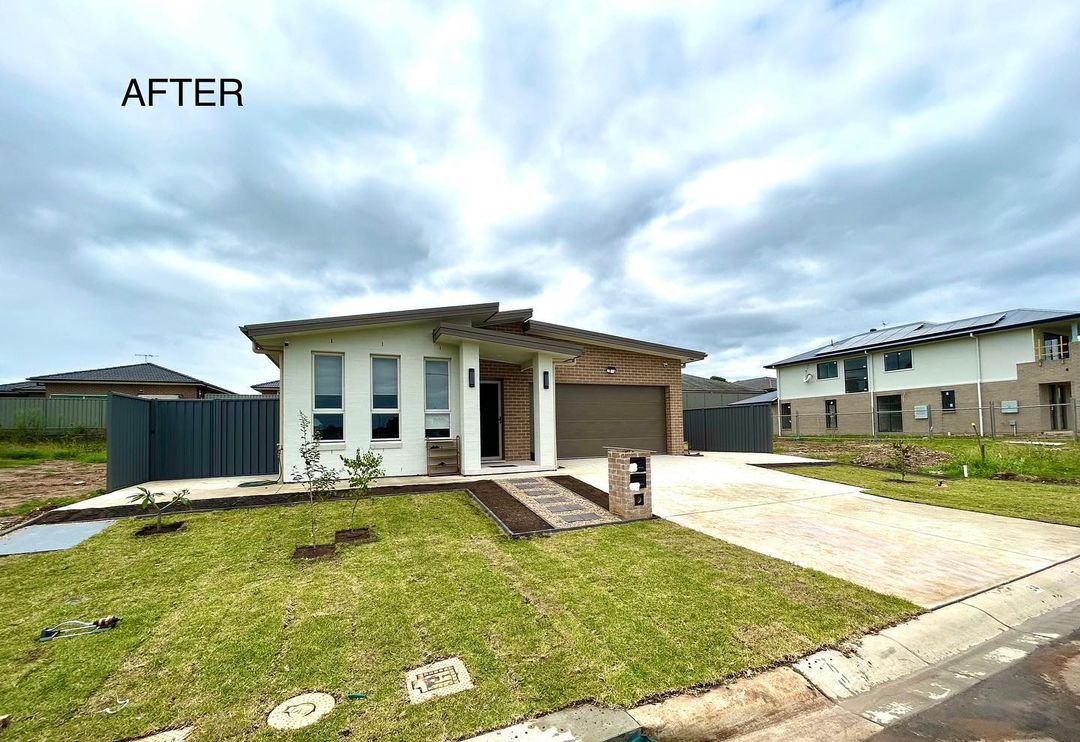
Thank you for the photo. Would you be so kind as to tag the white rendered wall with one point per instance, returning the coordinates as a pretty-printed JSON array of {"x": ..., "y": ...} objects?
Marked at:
[
  {"x": 946, "y": 363},
  {"x": 469, "y": 358},
  {"x": 412, "y": 344},
  {"x": 543, "y": 404}
]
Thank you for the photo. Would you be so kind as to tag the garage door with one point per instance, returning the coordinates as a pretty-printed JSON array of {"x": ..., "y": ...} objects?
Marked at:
[{"x": 591, "y": 416}]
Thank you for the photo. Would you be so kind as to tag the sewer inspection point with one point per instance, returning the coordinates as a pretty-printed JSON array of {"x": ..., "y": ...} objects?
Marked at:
[
  {"x": 300, "y": 711},
  {"x": 171, "y": 735},
  {"x": 440, "y": 678}
]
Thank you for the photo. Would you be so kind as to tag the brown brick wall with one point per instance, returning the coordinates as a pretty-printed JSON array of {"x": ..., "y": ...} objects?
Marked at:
[
  {"x": 185, "y": 391},
  {"x": 591, "y": 368}
]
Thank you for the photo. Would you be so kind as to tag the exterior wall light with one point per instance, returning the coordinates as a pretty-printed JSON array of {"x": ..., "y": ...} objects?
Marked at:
[
  {"x": 611, "y": 369},
  {"x": 547, "y": 379},
  {"x": 472, "y": 378}
]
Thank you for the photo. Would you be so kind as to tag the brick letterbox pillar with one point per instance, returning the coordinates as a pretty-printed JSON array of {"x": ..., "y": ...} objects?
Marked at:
[{"x": 629, "y": 483}]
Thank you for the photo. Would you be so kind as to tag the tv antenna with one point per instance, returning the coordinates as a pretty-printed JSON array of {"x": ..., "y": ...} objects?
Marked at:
[{"x": 146, "y": 356}]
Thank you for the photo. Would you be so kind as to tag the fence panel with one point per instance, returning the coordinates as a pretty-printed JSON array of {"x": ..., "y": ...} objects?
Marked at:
[
  {"x": 746, "y": 428},
  {"x": 194, "y": 438},
  {"x": 52, "y": 414},
  {"x": 127, "y": 442}
]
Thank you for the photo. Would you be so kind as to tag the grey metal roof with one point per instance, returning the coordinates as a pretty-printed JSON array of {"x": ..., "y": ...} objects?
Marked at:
[
  {"x": 136, "y": 373},
  {"x": 766, "y": 398},
  {"x": 268, "y": 385},
  {"x": 691, "y": 383},
  {"x": 468, "y": 332},
  {"x": 600, "y": 338},
  {"x": 477, "y": 312},
  {"x": 915, "y": 333},
  {"x": 758, "y": 383},
  {"x": 508, "y": 317}
]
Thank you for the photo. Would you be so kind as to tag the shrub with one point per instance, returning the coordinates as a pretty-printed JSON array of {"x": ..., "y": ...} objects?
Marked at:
[{"x": 363, "y": 469}]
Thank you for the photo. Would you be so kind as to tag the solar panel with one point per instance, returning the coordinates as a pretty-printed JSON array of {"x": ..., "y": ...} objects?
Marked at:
[{"x": 912, "y": 331}]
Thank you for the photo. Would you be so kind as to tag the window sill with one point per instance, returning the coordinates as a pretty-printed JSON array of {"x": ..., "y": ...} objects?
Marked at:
[
  {"x": 332, "y": 446},
  {"x": 386, "y": 444}
]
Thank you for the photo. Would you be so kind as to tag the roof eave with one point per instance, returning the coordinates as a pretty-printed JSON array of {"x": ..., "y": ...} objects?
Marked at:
[
  {"x": 599, "y": 338},
  {"x": 478, "y": 312}
]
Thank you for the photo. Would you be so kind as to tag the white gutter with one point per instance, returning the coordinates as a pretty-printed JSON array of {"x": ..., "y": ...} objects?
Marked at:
[{"x": 978, "y": 380}]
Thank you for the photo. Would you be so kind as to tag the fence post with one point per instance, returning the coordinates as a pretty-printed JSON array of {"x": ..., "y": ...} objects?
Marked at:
[
  {"x": 993, "y": 420},
  {"x": 796, "y": 425},
  {"x": 929, "y": 421},
  {"x": 1075, "y": 409}
]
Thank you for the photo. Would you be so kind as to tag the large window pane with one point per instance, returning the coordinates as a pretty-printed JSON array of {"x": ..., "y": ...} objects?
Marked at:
[
  {"x": 330, "y": 426},
  {"x": 384, "y": 383},
  {"x": 898, "y": 361},
  {"x": 437, "y": 384},
  {"x": 855, "y": 376},
  {"x": 384, "y": 426},
  {"x": 328, "y": 382}
]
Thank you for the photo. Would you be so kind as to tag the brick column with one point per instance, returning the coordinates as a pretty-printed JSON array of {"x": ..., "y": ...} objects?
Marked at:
[{"x": 623, "y": 500}]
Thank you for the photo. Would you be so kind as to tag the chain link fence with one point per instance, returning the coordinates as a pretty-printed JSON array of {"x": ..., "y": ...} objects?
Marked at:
[{"x": 993, "y": 419}]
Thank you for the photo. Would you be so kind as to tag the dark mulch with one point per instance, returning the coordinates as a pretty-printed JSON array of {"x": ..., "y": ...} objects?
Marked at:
[
  {"x": 319, "y": 551},
  {"x": 593, "y": 494},
  {"x": 154, "y": 529},
  {"x": 507, "y": 508},
  {"x": 355, "y": 536}
]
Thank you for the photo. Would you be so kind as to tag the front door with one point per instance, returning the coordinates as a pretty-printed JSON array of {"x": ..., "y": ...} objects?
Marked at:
[
  {"x": 491, "y": 420},
  {"x": 1059, "y": 407}
]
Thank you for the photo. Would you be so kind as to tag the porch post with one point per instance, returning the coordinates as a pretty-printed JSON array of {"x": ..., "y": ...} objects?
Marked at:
[
  {"x": 469, "y": 359},
  {"x": 543, "y": 404}
]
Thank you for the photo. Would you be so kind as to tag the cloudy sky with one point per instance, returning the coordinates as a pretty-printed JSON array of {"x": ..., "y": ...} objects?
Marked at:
[{"x": 747, "y": 179}]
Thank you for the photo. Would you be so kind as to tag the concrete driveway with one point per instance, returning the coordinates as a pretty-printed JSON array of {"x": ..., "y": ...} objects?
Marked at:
[{"x": 927, "y": 554}]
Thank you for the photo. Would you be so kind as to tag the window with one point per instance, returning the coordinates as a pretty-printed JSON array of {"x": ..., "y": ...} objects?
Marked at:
[
  {"x": 830, "y": 413},
  {"x": 436, "y": 398},
  {"x": 385, "y": 412},
  {"x": 827, "y": 370},
  {"x": 948, "y": 400},
  {"x": 890, "y": 414},
  {"x": 785, "y": 416},
  {"x": 328, "y": 415},
  {"x": 898, "y": 360},
  {"x": 855, "y": 378}
]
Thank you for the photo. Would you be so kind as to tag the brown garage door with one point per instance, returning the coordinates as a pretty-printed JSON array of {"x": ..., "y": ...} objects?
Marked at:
[{"x": 591, "y": 416}]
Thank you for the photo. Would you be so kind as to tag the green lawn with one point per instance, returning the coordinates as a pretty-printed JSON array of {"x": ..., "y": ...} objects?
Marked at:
[
  {"x": 1045, "y": 502},
  {"x": 219, "y": 625},
  {"x": 1002, "y": 454},
  {"x": 18, "y": 453}
]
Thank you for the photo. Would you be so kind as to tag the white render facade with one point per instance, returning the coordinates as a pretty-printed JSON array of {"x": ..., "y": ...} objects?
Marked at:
[{"x": 411, "y": 345}]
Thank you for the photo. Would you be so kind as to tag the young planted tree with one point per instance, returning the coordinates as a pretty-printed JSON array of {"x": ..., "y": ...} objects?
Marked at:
[
  {"x": 155, "y": 501},
  {"x": 901, "y": 458},
  {"x": 318, "y": 478},
  {"x": 363, "y": 469}
]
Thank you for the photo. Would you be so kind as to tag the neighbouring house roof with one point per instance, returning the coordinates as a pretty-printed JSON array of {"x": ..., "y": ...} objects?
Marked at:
[
  {"x": 766, "y": 398},
  {"x": 691, "y": 383},
  {"x": 915, "y": 333},
  {"x": 758, "y": 383},
  {"x": 136, "y": 373},
  {"x": 22, "y": 387},
  {"x": 270, "y": 386},
  {"x": 268, "y": 337}
]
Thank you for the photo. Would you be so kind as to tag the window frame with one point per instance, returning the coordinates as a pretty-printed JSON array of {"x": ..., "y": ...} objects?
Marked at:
[
  {"x": 945, "y": 407},
  {"x": 865, "y": 379},
  {"x": 835, "y": 370},
  {"x": 328, "y": 410},
  {"x": 897, "y": 354},
  {"x": 434, "y": 411},
  {"x": 785, "y": 417},
  {"x": 384, "y": 410}
]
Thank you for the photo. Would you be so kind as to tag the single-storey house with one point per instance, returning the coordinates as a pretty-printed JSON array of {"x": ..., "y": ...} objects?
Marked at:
[
  {"x": 700, "y": 393},
  {"x": 138, "y": 379},
  {"x": 471, "y": 388},
  {"x": 22, "y": 389}
]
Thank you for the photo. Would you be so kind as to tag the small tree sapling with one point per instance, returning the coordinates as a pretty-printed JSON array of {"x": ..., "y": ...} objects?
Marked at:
[
  {"x": 148, "y": 500},
  {"x": 318, "y": 478},
  {"x": 363, "y": 468}
]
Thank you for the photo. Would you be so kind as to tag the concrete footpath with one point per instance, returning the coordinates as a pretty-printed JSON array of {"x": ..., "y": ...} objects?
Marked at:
[{"x": 856, "y": 691}]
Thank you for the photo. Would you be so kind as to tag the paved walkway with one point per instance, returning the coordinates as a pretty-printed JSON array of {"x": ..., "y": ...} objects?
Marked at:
[
  {"x": 557, "y": 505},
  {"x": 929, "y": 555}
]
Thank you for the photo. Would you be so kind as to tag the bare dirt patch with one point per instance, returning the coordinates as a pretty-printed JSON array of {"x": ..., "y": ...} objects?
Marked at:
[
  {"x": 47, "y": 481},
  {"x": 919, "y": 457}
]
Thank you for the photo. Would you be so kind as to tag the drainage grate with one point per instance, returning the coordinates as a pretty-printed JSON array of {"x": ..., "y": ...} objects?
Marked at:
[{"x": 437, "y": 679}]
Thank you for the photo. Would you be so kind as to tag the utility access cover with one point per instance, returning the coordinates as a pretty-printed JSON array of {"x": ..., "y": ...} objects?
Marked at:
[
  {"x": 300, "y": 711},
  {"x": 440, "y": 678}
]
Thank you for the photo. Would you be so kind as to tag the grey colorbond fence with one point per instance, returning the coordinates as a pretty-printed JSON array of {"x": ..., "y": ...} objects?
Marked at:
[
  {"x": 52, "y": 414},
  {"x": 746, "y": 428},
  {"x": 153, "y": 439}
]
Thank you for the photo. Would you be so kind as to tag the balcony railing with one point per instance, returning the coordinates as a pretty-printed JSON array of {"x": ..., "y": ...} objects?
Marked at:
[{"x": 1052, "y": 350}]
